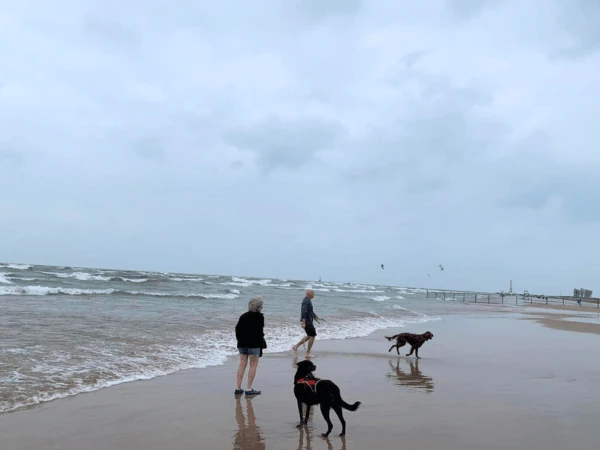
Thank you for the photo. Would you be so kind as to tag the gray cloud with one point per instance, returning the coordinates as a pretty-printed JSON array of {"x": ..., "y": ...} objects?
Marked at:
[
  {"x": 280, "y": 143},
  {"x": 318, "y": 10},
  {"x": 576, "y": 188},
  {"x": 580, "y": 20},
  {"x": 300, "y": 138},
  {"x": 10, "y": 155},
  {"x": 470, "y": 8},
  {"x": 107, "y": 30}
]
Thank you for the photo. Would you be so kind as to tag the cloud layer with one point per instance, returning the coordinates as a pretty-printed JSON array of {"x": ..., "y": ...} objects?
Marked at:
[{"x": 302, "y": 139}]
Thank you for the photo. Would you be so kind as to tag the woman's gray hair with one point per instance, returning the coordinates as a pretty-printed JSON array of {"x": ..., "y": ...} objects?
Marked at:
[{"x": 256, "y": 304}]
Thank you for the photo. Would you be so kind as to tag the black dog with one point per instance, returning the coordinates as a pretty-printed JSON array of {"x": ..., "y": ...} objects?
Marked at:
[{"x": 313, "y": 391}]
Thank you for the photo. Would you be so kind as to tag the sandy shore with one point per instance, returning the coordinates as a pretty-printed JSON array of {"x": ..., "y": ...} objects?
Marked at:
[{"x": 486, "y": 381}]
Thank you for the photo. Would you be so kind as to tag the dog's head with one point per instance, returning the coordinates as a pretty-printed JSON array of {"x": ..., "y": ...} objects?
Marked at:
[
  {"x": 304, "y": 368},
  {"x": 428, "y": 335}
]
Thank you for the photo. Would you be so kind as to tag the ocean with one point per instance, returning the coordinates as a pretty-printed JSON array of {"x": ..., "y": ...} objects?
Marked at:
[{"x": 68, "y": 330}]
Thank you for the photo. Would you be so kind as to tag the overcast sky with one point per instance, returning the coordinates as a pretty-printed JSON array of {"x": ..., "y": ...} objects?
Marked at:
[{"x": 299, "y": 139}]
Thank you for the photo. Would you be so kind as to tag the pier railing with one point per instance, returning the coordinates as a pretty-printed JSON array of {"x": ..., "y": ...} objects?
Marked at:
[{"x": 511, "y": 298}]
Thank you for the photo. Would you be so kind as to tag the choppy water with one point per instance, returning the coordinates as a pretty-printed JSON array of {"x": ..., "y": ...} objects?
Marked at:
[{"x": 66, "y": 330}]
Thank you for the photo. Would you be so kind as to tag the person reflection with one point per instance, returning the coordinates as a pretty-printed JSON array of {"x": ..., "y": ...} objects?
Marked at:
[
  {"x": 248, "y": 436},
  {"x": 413, "y": 380}
]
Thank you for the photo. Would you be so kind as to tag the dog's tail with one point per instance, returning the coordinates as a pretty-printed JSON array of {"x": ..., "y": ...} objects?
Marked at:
[
  {"x": 349, "y": 407},
  {"x": 389, "y": 338},
  {"x": 345, "y": 405}
]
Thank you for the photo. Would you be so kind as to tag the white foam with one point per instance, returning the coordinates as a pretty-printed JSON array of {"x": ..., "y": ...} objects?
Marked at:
[
  {"x": 229, "y": 296},
  {"x": 235, "y": 291},
  {"x": 17, "y": 266},
  {"x": 223, "y": 296},
  {"x": 131, "y": 280},
  {"x": 245, "y": 282},
  {"x": 4, "y": 280},
  {"x": 360, "y": 291},
  {"x": 44, "y": 290},
  {"x": 380, "y": 298},
  {"x": 394, "y": 306},
  {"x": 81, "y": 276},
  {"x": 400, "y": 297},
  {"x": 186, "y": 279},
  {"x": 85, "y": 276},
  {"x": 311, "y": 286}
]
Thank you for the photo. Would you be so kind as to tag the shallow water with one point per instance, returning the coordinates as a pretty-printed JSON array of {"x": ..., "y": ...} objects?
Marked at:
[{"x": 65, "y": 330}]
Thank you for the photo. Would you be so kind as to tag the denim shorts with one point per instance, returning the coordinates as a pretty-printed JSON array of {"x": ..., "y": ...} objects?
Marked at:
[{"x": 249, "y": 351}]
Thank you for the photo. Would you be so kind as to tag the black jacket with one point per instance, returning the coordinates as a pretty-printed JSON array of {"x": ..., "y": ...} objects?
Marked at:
[{"x": 249, "y": 330}]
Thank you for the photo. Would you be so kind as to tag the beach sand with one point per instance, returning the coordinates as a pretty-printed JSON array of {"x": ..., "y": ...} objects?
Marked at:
[{"x": 488, "y": 380}]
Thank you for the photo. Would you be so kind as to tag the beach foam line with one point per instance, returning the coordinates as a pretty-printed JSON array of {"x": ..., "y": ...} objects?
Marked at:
[
  {"x": 16, "y": 266},
  {"x": 45, "y": 290},
  {"x": 5, "y": 280},
  {"x": 360, "y": 291},
  {"x": 86, "y": 276}
]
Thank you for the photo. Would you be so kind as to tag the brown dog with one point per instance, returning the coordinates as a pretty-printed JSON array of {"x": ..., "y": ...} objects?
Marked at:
[{"x": 415, "y": 341}]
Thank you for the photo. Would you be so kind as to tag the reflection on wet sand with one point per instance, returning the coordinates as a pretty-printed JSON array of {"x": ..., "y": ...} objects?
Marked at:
[
  {"x": 304, "y": 441},
  {"x": 248, "y": 435},
  {"x": 304, "y": 433},
  {"x": 413, "y": 380},
  {"x": 331, "y": 447}
]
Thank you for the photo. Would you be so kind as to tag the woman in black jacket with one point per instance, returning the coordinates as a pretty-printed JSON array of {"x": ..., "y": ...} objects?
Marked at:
[{"x": 250, "y": 337}]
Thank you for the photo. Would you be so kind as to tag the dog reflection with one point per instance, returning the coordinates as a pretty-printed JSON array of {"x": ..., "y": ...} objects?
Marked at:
[
  {"x": 248, "y": 436},
  {"x": 413, "y": 380},
  {"x": 304, "y": 434},
  {"x": 304, "y": 441}
]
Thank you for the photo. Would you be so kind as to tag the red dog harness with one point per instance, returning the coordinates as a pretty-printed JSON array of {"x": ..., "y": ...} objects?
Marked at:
[{"x": 311, "y": 383}]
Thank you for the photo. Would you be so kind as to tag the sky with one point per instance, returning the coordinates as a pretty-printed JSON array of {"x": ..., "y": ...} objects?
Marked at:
[{"x": 305, "y": 139}]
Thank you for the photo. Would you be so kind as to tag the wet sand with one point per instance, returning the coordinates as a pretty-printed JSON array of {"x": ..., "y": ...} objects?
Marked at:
[
  {"x": 486, "y": 381},
  {"x": 565, "y": 319}
]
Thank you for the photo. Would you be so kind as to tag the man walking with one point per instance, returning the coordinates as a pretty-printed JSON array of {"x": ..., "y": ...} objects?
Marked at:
[{"x": 307, "y": 315}]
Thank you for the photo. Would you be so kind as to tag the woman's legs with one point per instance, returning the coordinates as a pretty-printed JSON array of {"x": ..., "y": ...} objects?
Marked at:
[
  {"x": 241, "y": 370},
  {"x": 252, "y": 371}
]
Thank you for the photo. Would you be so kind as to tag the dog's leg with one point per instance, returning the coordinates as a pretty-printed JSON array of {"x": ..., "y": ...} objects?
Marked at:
[
  {"x": 302, "y": 422},
  {"x": 412, "y": 349},
  {"x": 391, "y": 348},
  {"x": 400, "y": 343},
  {"x": 338, "y": 410},
  {"x": 308, "y": 407},
  {"x": 417, "y": 352},
  {"x": 325, "y": 411}
]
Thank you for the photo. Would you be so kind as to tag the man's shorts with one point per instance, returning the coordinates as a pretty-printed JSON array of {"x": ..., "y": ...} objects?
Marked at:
[
  {"x": 249, "y": 351},
  {"x": 310, "y": 331}
]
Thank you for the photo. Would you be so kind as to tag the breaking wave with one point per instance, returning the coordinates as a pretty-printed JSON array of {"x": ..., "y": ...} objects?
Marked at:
[{"x": 45, "y": 290}]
